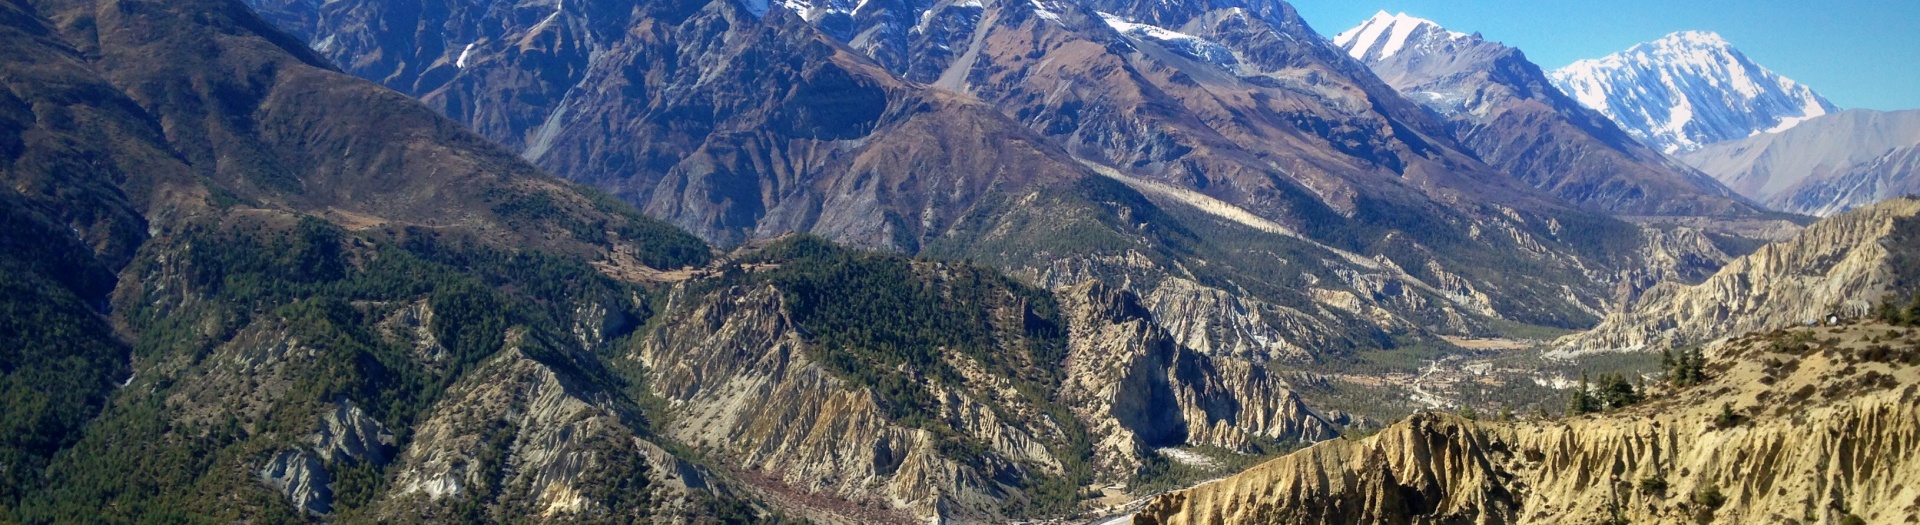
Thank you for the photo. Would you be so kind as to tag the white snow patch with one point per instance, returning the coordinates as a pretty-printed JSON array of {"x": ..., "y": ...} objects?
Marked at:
[
  {"x": 462, "y": 62},
  {"x": 1041, "y": 10},
  {"x": 1192, "y": 46},
  {"x": 1786, "y": 124},
  {"x": 560, "y": 7},
  {"x": 325, "y": 45},
  {"x": 1363, "y": 37},
  {"x": 1156, "y": 32},
  {"x": 1399, "y": 39},
  {"x": 1396, "y": 29}
]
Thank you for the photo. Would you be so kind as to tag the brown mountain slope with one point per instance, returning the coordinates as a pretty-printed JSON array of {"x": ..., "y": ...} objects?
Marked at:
[
  {"x": 1248, "y": 107},
  {"x": 736, "y": 153},
  {"x": 649, "y": 103},
  {"x": 218, "y": 248},
  {"x": 750, "y": 127},
  {"x": 260, "y": 116}
]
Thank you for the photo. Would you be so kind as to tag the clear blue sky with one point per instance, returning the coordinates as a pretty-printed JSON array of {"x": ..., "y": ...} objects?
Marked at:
[{"x": 1858, "y": 53}]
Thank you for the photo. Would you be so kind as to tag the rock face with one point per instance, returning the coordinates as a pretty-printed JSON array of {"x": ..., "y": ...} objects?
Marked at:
[
  {"x": 1139, "y": 390},
  {"x": 302, "y": 478},
  {"x": 1824, "y": 166},
  {"x": 1502, "y": 107},
  {"x": 1242, "y": 111},
  {"x": 1808, "y": 441},
  {"x": 1687, "y": 90},
  {"x": 346, "y": 436},
  {"x": 749, "y": 386},
  {"x": 535, "y": 443},
  {"x": 1842, "y": 265}
]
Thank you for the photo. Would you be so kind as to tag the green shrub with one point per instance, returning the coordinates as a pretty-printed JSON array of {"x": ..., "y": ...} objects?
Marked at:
[
  {"x": 1709, "y": 497},
  {"x": 1727, "y": 417},
  {"x": 1655, "y": 485}
]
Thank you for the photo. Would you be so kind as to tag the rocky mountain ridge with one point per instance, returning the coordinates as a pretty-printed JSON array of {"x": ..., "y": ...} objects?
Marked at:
[
  {"x": 240, "y": 279},
  {"x": 1825, "y": 166},
  {"x": 1844, "y": 265},
  {"x": 1330, "y": 149},
  {"x": 1506, "y": 110}
]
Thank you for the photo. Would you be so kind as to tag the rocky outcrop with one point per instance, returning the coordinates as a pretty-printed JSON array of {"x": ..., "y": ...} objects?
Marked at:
[
  {"x": 346, "y": 436},
  {"x": 745, "y": 388},
  {"x": 524, "y": 439},
  {"x": 1138, "y": 389},
  {"x": 1842, "y": 265},
  {"x": 1673, "y": 254},
  {"x": 747, "y": 385},
  {"x": 1817, "y": 422},
  {"x": 302, "y": 479},
  {"x": 346, "y": 433}
]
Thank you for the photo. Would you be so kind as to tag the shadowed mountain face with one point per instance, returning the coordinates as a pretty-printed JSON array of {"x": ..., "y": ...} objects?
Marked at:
[
  {"x": 1503, "y": 108},
  {"x": 210, "y": 238},
  {"x": 700, "y": 112},
  {"x": 1825, "y": 166}
]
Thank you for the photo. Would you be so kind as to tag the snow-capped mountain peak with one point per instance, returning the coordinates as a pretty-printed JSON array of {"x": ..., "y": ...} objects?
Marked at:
[
  {"x": 1385, "y": 35},
  {"x": 1689, "y": 89}
]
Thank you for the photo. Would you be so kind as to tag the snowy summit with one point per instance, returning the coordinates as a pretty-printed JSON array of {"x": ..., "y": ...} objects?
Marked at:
[
  {"x": 1385, "y": 35},
  {"x": 1687, "y": 90}
]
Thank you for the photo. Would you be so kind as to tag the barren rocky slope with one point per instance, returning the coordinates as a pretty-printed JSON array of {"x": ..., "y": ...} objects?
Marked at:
[
  {"x": 1818, "y": 427},
  {"x": 1825, "y": 165},
  {"x": 1052, "y": 396},
  {"x": 1843, "y": 265}
]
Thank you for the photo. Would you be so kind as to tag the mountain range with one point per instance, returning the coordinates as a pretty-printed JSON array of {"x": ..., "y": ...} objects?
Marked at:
[
  {"x": 1694, "y": 95},
  {"x": 1508, "y": 112},
  {"x": 711, "y": 261},
  {"x": 1002, "y": 132}
]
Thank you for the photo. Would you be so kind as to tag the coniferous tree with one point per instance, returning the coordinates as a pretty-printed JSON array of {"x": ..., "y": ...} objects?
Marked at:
[
  {"x": 1582, "y": 400},
  {"x": 1615, "y": 392},
  {"x": 1686, "y": 369}
]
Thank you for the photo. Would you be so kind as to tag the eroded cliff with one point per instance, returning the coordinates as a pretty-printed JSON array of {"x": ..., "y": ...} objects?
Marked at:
[
  {"x": 1843, "y": 265},
  {"x": 1810, "y": 425},
  {"x": 1078, "y": 386}
]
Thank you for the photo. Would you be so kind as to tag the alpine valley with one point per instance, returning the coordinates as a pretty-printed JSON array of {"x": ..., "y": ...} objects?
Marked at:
[{"x": 961, "y": 261}]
